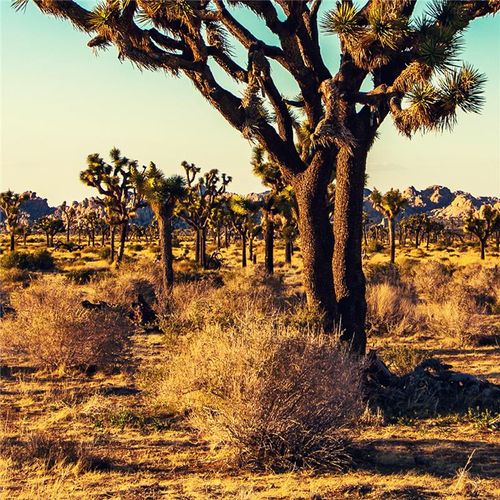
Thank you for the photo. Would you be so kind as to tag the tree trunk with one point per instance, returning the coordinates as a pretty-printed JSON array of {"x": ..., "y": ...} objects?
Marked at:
[
  {"x": 12, "y": 245},
  {"x": 243, "y": 250},
  {"x": 47, "y": 237},
  {"x": 392, "y": 239},
  {"x": 347, "y": 260},
  {"x": 269, "y": 243},
  {"x": 197, "y": 246},
  {"x": 203, "y": 248},
  {"x": 316, "y": 238},
  {"x": 112, "y": 244},
  {"x": 123, "y": 238},
  {"x": 167, "y": 269},
  {"x": 250, "y": 249},
  {"x": 483, "y": 248},
  {"x": 67, "y": 234},
  {"x": 288, "y": 252}
]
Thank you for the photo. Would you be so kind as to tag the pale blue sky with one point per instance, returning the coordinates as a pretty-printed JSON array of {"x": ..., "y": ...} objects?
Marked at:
[{"x": 60, "y": 102}]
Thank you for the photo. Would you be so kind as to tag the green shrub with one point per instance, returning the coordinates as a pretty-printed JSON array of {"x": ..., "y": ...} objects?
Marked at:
[
  {"x": 41, "y": 260},
  {"x": 104, "y": 252},
  {"x": 375, "y": 246},
  {"x": 136, "y": 247}
]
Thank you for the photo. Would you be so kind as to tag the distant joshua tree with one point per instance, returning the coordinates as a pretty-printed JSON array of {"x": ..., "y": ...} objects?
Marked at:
[
  {"x": 10, "y": 205},
  {"x": 243, "y": 216},
  {"x": 272, "y": 178},
  {"x": 203, "y": 194},
  {"x": 162, "y": 193},
  {"x": 389, "y": 205},
  {"x": 68, "y": 214},
  {"x": 114, "y": 182},
  {"x": 482, "y": 224},
  {"x": 51, "y": 226}
]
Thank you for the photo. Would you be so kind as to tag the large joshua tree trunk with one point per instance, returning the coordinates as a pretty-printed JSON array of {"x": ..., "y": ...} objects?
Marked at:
[
  {"x": 12, "y": 245},
  {"x": 112, "y": 244},
  {"x": 347, "y": 259},
  {"x": 316, "y": 238}
]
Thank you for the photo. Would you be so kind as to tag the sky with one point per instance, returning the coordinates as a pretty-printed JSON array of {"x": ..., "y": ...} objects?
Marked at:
[{"x": 60, "y": 102}]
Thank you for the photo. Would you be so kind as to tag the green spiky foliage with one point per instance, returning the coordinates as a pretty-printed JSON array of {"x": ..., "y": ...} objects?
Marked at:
[
  {"x": 50, "y": 225},
  {"x": 10, "y": 206},
  {"x": 162, "y": 193},
  {"x": 120, "y": 198},
  {"x": 68, "y": 215},
  {"x": 416, "y": 79},
  {"x": 204, "y": 192},
  {"x": 389, "y": 205},
  {"x": 244, "y": 217},
  {"x": 482, "y": 224}
]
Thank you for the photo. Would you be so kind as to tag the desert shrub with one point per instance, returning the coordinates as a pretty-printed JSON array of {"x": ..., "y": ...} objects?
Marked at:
[
  {"x": 382, "y": 273},
  {"x": 56, "y": 331},
  {"x": 402, "y": 359},
  {"x": 41, "y": 260},
  {"x": 136, "y": 247},
  {"x": 84, "y": 275},
  {"x": 104, "y": 252},
  {"x": 450, "y": 320},
  {"x": 431, "y": 279},
  {"x": 375, "y": 246},
  {"x": 15, "y": 275},
  {"x": 478, "y": 288},
  {"x": 272, "y": 396},
  {"x": 195, "y": 304},
  {"x": 390, "y": 309},
  {"x": 121, "y": 287}
]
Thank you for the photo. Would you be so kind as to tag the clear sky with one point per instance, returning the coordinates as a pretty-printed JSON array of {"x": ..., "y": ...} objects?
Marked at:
[{"x": 60, "y": 102}]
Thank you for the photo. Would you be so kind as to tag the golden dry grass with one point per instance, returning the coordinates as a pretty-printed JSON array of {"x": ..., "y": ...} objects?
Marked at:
[{"x": 67, "y": 435}]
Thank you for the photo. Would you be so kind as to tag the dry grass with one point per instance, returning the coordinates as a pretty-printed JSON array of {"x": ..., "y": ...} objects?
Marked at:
[
  {"x": 52, "y": 327},
  {"x": 214, "y": 334}
]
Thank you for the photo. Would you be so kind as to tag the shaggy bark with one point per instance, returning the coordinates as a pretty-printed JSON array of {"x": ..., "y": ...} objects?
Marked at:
[{"x": 347, "y": 259}]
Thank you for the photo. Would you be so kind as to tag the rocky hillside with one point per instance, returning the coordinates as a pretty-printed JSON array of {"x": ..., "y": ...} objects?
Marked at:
[{"x": 437, "y": 201}]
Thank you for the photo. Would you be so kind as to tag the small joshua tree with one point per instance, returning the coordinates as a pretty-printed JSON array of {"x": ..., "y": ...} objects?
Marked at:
[
  {"x": 51, "y": 226},
  {"x": 114, "y": 182},
  {"x": 68, "y": 214},
  {"x": 203, "y": 194},
  {"x": 162, "y": 193},
  {"x": 482, "y": 224},
  {"x": 243, "y": 215},
  {"x": 10, "y": 205},
  {"x": 272, "y": 178},
  {"x": 389, "y": 205}
]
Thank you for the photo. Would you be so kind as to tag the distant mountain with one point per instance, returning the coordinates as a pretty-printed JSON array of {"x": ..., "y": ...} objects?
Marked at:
[
  {"x": 437, "y": 201},
  {"x": 36, "y": 207}
]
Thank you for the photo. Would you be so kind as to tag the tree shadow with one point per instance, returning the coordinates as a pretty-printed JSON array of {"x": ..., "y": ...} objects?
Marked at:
[{"x": 438, "y": 457}]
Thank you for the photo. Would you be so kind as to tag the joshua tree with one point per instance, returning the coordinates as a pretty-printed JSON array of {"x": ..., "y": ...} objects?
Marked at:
[
  {"x": 162, "y": 193},
  {"x": 272, "y": 178},
  {"x": 114, "y": 182},
  {"x": 482, "y": 224},
  {"x": 68, "y": 214},
  {"x": 389, "y": 205},
  {"x": 243, "y": 215},
  {"x": 10, "y": 205},
  {"x": 204, "y": 192},
  {"x": 51, "y": 226},
  {"x": 412, "y": 63}
]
